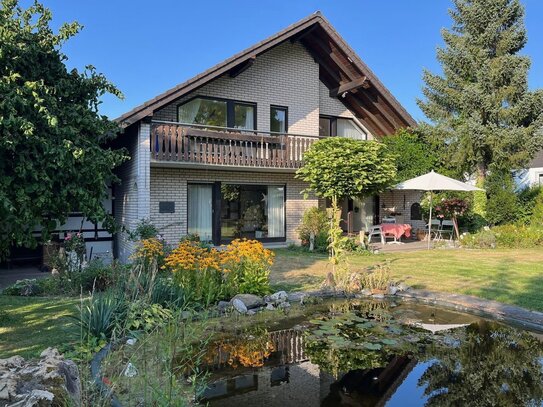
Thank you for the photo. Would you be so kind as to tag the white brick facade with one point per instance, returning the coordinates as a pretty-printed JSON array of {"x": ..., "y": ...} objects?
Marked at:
[
  {"x": 170, "y": 184},
  {"x": 132, "y": 196},
  {"x": 286, "y": 76},
  {"x": 400, "y": 202}
]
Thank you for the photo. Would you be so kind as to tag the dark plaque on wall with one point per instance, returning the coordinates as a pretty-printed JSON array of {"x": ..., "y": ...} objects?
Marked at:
[{"x": 166, "y": 207}]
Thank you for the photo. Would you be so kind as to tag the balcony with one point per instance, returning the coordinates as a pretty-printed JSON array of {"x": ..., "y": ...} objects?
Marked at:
[{"x": 196, "y": 145}]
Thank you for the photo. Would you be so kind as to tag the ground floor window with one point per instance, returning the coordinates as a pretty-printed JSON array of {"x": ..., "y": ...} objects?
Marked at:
[
  {"x": 200, "y": 210},
  {"x": 220, "y": 212},
  {"x": 252, "y": 211}
]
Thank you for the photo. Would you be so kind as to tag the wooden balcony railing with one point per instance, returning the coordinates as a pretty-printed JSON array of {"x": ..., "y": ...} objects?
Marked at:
[{"x": 209, "y": 145}]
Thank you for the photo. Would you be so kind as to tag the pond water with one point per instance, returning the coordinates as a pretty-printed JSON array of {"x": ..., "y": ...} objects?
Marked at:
[{"x": 378, "y": 354}]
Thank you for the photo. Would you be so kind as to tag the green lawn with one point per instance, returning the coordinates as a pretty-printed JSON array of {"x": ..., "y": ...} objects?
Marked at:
[
  {"x": 509, "y": 276},
  {"x": 29, "y": 325}
]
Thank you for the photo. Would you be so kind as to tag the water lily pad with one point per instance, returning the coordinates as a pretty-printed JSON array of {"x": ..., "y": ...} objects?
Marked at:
[{"x": 372, "y": 346}]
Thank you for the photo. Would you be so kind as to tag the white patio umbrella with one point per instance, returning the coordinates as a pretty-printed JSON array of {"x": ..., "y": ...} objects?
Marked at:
[{"x": 435, "y": 182}]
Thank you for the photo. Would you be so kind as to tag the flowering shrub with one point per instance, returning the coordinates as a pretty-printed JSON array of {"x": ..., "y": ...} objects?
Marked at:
[
  {"x": 243, "y": 250},
  {"x": 74, "y": 242},
  {"x": 247, "y": 266},
  {"x": 209, "y": 274}
]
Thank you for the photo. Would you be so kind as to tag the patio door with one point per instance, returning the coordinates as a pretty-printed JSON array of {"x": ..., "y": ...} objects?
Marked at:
[{"x": 200, "y": 210}]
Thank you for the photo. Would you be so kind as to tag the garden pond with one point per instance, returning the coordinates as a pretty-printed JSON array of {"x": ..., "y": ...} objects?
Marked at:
[{"x": 375, "y": 353}]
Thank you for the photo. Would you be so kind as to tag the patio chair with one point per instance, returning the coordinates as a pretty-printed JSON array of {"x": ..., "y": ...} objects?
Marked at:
[
  {"x": 388, "y": 219},
  {"x": 375, "y": 230},
  {"x": 445, "y": 229},
  {"x": 434, "y": 229}
]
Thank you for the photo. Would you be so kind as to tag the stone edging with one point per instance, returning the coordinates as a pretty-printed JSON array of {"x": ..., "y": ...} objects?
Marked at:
[
  {"x": 517, "y": 316},
  {"x": 96, "y": 374}
]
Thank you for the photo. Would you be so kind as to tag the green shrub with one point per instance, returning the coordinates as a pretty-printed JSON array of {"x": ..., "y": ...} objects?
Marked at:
[
  {"x": 377, "y": 277},
  {"x": 527, "y": 201},
  {"x": 98, "y": 317},
  {"x": 144, "y": 230},
  {"x": 97, "y": 276},
  {"x": 314, "y": 221},
  {"x": 518, "y": 236},
  {"x": 484, "y": 239},
  {"x": 502, "y": 206},
  {"x": 142, "y": 316},
  {"x": 537, "y": 215},
  {"x": 168, "y": 294},
  {"x": 25, "y": 288},
  {"x": 253, "y": 278}
]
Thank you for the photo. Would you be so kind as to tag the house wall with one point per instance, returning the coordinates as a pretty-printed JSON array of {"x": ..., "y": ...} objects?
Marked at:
[
  {"x": 393, "y": 201},
  {"x": 287, "y": 75},
  {"x": 170, "y": 184},
  {"x": 132, "y": 196}
]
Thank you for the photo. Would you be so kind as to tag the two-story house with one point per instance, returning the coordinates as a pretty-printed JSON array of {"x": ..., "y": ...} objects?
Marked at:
[{"x": 216, "y": 155}]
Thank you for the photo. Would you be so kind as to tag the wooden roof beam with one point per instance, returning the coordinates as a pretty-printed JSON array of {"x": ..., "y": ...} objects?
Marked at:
[
  {"x": 375, "y": 121},
  {"x": 242, "y": 67},
  {"x": 379, "y": 104},
  {"x": 303, "y": 34},
  {"x": 350, "y": 87}
]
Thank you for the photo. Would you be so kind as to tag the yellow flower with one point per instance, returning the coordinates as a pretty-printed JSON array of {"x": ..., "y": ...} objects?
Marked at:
[{"x": 148, "y": 249}]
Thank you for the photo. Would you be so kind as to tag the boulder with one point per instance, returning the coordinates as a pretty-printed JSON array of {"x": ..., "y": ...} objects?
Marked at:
[
  {"x": 284, "y": 305},
  {"x": 48, "y": 381},
  {"x": 222, "y": 306},
  {"x": 279, "y": 297},
  {"x": 403, "y": 287},
  {"x": 239, "y": 306},
  {"x": 296, "y": 296},
  {"x": 249, "y": 300},
  {"x": 379, "y": 296},
  {"x": 392, "y": 290}
]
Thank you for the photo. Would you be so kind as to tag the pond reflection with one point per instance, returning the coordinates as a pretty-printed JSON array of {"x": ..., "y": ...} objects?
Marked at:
[{"x": 368, "y": 355}]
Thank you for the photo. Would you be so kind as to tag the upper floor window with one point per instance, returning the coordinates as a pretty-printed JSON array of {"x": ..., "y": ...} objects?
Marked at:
[
  {"x": 341, "y": 127},
  {"x": 278, "y": 119},
  {"x": 218, "y": 112}
]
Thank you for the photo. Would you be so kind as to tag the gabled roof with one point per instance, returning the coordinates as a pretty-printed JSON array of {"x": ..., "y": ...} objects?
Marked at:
[{"x": 341, "y": 70}]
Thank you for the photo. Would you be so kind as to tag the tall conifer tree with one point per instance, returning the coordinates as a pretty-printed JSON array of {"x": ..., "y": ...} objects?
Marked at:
[{"x": 483, "y": 114}]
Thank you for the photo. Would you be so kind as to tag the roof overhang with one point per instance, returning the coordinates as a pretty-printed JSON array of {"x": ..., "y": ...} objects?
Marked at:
[{"x": 341, "y": 70}]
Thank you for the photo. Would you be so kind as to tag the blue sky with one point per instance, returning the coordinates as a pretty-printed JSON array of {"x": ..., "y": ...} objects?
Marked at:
[{"x": 148, "y": 47}]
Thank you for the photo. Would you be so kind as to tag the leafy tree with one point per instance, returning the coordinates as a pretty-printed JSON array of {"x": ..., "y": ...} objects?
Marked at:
[
  {"x": 53, "y": 158},
  {"x": 483, "y": 113},
  {"x": 338, "y": 167},
  {"x": 414, "y": 156}
]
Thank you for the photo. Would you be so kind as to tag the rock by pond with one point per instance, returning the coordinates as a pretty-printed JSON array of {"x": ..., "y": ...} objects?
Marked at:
[
  {"x": 249, "y": 300},
  {"x": 50, "y": 380}
]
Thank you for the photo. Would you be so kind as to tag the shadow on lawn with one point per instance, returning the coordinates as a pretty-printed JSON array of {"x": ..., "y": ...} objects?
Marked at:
[{"x": 500, "y": 287}]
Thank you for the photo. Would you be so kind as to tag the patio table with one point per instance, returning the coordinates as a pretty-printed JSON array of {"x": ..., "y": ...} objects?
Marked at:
[{"x": 397, "y": 230}]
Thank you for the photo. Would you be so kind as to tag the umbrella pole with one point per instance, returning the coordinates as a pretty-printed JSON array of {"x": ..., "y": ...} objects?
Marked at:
[{"x": 430, "y": 222}]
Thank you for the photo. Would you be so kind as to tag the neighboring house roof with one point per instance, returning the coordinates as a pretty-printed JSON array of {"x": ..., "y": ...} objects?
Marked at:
[
  {"x": 537, "y": 162},
  {"x": 341, "y": 70}
]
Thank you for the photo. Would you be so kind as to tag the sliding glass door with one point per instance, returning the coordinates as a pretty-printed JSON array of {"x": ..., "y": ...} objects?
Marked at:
[{"x": 200, "y": 210}]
